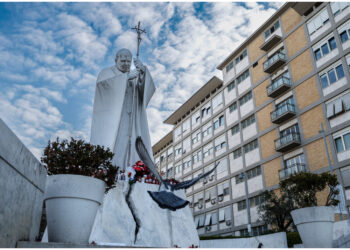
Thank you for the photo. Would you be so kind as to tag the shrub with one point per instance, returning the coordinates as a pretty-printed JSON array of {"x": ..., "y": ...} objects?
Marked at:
[
  {"x": 80, "y": 158},
  {"x": 293, "y": 238}
]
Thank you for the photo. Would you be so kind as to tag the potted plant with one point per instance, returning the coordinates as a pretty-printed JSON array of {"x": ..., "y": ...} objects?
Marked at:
[
  {"x": 79, "y": 174},
  {"x": 314, "y": 223}
]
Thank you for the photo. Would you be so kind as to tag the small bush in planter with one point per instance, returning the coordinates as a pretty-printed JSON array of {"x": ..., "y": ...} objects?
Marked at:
[
  {"x": 80, "y": 158},
  {"x": 303, "y": 187}
]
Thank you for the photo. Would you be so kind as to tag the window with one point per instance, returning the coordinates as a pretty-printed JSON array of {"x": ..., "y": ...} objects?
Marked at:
[
  {"x": 338, "y": 106},
  {"x": 235, "y": 129},
  {"x": 332, "y": 75},
  {"x": 187, "y": 164},
  {"x": 178, "y": 150},
  {"x": 338, "y": 7},
  {"x": 241, "y": 205},
  {"x": 207, "y": 150},
  {"x": 290, "y": 130},
  {"x": 224, "y": 189},
  {"x": 186, "y": 145},
  {"x": 250, "y": 146},
  {"x": 206, "y": 110},
  {"x": 196, "y": 137},
  {"x": 221, "y": 166},
  {"x": 170, "y": 171},
  {"x": 342, "y": 142},
  {"x": 243, "y": 76},
  {"x": 231, "y": 86},
  {"x": 250, "y": 120},
  {"x": 241, "y": 56},
  {"x": 177, "y": 132},
  {"x": 344, "y": 32},
  {"x": 178, "y": 169},
  {"x": 318, "y": 21},
  {"x": 299, "y": 159},
  {"x": 243, "y": 232},
  {"x": 220, "y": 146},
  {"x": 186, "y": 125},
  {"x": 219, "y": 122},
  {"x": 272, "y": 29},
  {"x": 233, "y": 107},
  {"x": 196, "y": 118},
  {"x": 229, "y": 67},
  {"x": 197, "y": 157},
  {"x": 256, "y": 201},
  {"x": 250, "y": 174},
  {"x": 237, "y": 153},
  {"x": 245, "y": 98},
  {"x": 217, "y": 100},
  {"x": 259, "y": 230},
  {"x": 207, "y": 130},
  {"x": 324, "y": 49}
]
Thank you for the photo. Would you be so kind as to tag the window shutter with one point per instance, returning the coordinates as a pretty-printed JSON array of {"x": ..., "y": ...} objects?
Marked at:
[
  {"x": 221, "y": 215},
  {"x": 338, "y": 106},
  {"x": 207, "y": 219},
  {"x": 207, "y": 195},
  {"x": 201, "y": 221},
  {"x": 346, "y": 101},
  {"x": 330, "y": 110},
  {"x": 220, "y": 190}
]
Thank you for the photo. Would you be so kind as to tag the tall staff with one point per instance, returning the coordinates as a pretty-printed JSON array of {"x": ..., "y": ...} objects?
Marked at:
[{"x": 139, "y": 32}]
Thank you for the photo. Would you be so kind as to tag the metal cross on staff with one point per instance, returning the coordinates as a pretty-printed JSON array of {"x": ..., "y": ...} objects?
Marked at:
[{"x": 139, "y": 32}]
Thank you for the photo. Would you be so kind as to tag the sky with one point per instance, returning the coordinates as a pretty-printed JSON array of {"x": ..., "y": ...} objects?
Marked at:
[{"x": 51, "y": 54}]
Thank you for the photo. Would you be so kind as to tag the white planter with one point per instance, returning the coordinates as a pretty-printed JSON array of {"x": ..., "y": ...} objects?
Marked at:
[
  {"x": 315, "y": 226},
  {"x": 71, "y": 206}
]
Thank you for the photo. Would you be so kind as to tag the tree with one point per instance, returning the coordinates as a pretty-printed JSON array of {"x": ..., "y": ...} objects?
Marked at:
[
  {"x": 276, "y": 210},
  {"x": 297, "y": 191}
]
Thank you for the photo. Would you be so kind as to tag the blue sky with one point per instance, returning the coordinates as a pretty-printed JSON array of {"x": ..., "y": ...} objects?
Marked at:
[{"x": 51, "y": 53}]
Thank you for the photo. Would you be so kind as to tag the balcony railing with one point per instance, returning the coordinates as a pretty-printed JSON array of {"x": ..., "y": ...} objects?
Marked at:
[
  {"x": 293, "y": 169},
  {"x": 271, "y": 42},
  {"x": 287, "y": 142},
  {"x": 278, "y": 86},
  {"x": 274, "y": 62},
  {"x": 282, "y": 113}
]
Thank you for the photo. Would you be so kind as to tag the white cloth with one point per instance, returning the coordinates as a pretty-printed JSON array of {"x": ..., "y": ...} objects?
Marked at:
[{"x": 112, "y": 110}]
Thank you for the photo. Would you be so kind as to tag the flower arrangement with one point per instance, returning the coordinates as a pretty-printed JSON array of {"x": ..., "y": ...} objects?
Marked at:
[
  {"x": 139, "y": 172},
  {"x": 80, "y": 158}
]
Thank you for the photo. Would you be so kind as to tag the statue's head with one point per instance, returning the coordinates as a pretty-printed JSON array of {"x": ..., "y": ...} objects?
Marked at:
[{"x": 123, "y": 60}]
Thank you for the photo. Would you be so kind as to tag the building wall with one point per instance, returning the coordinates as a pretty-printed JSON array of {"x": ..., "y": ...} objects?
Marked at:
[{"x": 310, "y": 102}]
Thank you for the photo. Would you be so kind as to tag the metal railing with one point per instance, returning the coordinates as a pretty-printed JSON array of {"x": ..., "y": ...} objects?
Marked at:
[
  {"x": 293, "y": 169},
  {"x": 277, "y": 56},
  {"x": 277, "y": 83},
  {"x": 287, "y": 139},
  {"x": 281, "y": 110}
]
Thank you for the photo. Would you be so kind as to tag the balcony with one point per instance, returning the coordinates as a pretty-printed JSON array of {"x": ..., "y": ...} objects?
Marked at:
[
  {"x": 274, "y": 62},
  {"x": 278, "y": 86},
  {"x": 283, "y": 113},
  {"x": 293, "y": 169},
  {"x": 287, "y": 142},
  {"x": 270, "y": 42}
]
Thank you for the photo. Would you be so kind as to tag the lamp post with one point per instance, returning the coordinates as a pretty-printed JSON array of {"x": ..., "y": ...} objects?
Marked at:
[{"x": 241, "y": 176}]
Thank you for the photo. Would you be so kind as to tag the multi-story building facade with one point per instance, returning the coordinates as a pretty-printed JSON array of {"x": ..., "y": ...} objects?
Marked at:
[{"x": 264, "y": 118}]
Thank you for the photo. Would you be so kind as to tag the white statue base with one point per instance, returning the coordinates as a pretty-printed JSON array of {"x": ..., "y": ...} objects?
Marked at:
[{"x": 115, "y": 223}]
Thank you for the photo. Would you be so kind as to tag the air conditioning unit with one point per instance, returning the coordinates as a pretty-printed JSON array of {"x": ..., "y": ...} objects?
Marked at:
[
  {"x": 220, "y": 198},
  {"x": 200, "y": 206},
  {"x": 228, "y": 222},
  {"x": 213, "y": 201},
  {"x": 211, "y": 178},
  {"x": 207, "y": 228},
  {"x": 205, "y": 181}
]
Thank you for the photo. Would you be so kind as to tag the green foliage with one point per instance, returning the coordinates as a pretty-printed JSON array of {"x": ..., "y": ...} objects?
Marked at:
[
  {"x": 78, "y": 157},
  {"x": 303, "y": 187},
  {"x": 276, "y": 210},
  {"x": 293, "y": 238}
]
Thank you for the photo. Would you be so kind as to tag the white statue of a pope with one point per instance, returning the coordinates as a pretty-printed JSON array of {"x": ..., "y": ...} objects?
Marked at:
[{"x": 119, "y": 112}]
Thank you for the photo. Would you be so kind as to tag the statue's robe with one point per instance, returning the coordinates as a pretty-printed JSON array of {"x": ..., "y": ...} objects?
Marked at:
[{"x": 113, "y": 106}]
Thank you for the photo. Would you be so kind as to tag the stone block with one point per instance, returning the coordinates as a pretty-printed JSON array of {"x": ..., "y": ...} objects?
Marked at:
[{"x": 22, "y": 190}]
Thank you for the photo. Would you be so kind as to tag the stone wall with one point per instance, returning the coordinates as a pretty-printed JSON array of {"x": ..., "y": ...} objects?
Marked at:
[
  {"x": 22, "y": 187},
  {"x": 277, "y": 240}
]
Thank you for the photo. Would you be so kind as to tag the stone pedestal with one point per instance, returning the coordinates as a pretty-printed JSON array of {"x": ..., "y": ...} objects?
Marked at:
[{"x": 157, "y": 227}]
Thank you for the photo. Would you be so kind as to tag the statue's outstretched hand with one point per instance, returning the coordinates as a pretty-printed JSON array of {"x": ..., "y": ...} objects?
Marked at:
[
  {"x": 139, "y": 65},
  {"x": 133, "y": 74}
]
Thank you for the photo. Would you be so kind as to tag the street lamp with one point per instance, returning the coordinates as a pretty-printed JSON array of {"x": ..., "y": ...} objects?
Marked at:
[{"x": 241, "y": 176}]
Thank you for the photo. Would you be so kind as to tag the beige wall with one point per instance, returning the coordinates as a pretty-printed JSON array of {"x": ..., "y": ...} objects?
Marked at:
[
  {"x": 254, "y": 49},
  {"x": 316, "y": 153},
  {"x": 289, "y": 19},
  {"x": 260, "y": 93},
  {"x": 264, "y": 119},
  {"x": 311, "y": 121},
  {"x": 296, "y": 41},
  {"x": 267, "y": 144},
  {"x": 307, "y": 93},
  {"x": 301, "y": 66},
  {"x": 271, "y": 172},
  {"x": 258, "y": 71}
]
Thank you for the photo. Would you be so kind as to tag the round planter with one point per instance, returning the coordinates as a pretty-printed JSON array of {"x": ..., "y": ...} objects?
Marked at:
[
  {"x": 315, "y": 226},
  {"x": 71, "y": 206}
]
